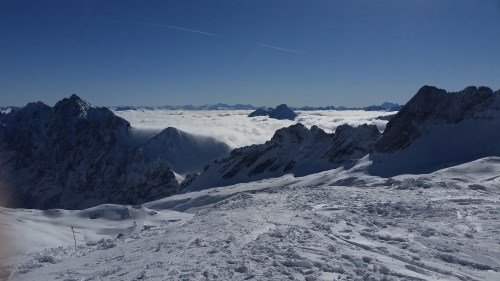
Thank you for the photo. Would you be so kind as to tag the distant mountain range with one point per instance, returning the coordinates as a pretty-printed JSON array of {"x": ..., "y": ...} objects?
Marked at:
[{"x": 386, "y": 106}]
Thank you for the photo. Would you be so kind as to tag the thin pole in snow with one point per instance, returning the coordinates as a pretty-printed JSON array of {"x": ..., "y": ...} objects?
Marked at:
[{"x": 74, "y": 238}]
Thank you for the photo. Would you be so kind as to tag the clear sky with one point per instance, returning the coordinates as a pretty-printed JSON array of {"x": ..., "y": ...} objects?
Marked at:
[{"x": 240, "y": 51}]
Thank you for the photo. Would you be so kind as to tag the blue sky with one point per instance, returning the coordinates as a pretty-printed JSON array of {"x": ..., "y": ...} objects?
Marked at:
[{"x": 259, "y": 52}]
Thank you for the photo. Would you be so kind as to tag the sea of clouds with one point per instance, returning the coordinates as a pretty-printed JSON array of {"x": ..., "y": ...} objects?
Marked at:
[{"x": 236, "y": 129}]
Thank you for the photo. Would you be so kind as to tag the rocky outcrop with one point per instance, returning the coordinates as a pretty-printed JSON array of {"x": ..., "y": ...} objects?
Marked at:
[{"x": 352, "y": 143}]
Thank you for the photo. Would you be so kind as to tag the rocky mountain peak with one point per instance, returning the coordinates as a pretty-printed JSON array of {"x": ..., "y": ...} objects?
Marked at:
[
  {"x": 33, "y": 110},
  {"x": 73, "y": 105},
  {"x": 181, "y": 151},
  {"x": 170, "y": 132},
  {"x": 294, "y": 133},
  {"x": 282, "y": 112}
]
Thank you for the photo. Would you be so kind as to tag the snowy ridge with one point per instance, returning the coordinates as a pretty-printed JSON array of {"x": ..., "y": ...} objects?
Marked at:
[
  {"x": 295, "y": 150},
  {"x": 337, "y": 224}
]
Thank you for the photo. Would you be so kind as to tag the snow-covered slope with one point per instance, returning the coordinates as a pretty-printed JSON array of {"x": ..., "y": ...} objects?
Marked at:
[
  {"x": 436, "y": 129},
  {"x": 74, "y": 155},
  {"x": 30, "y": 230},
  {"x": 294, "y": 149},
  {"x": 334, "y": 225}
]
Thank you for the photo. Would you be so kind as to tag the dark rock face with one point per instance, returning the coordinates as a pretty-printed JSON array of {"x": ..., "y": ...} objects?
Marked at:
[
  {"x": 352, "y": 143},
  {"x": 281, "y": 112},
  {"x": 437, "y": 129},
  {"x": 294, "y": 149},
  {"x": 73, "y": 155},
  {"x": 188, "y": 180}
]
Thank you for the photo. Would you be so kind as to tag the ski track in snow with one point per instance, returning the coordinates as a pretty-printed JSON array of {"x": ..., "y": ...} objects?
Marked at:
[{"x": 334, "y": 225}]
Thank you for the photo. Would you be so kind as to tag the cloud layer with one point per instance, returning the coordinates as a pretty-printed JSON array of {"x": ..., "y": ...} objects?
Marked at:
[{"x": 236, "y": 129}]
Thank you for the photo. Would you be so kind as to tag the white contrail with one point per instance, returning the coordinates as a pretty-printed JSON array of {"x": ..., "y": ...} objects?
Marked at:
[
  {"x": 174, "y": 27},
  {"x": 280, "y": 49}
]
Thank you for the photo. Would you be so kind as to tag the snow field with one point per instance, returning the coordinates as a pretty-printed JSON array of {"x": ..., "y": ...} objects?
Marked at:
[{"x": 334, "y": 225}]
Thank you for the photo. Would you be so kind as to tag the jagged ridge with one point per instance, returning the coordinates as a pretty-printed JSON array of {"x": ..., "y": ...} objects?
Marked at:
[{"x": 293, "y": 149}]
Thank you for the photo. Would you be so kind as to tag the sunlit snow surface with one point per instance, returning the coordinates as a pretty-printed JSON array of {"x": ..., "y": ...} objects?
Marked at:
[
  {"x": 332, "y": 225},
  {"x": 236, "y": 129}
]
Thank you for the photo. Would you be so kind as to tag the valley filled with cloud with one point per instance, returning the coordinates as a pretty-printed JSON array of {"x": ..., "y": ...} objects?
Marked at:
[{"x": 236, "y": 129}]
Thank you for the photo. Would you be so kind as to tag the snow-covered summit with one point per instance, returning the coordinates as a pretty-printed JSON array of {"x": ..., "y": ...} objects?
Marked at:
[
  {"x": 436, "y": 129},
  {"x": 183, "y": 152},
  {"x": 73, "y": 106}
]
